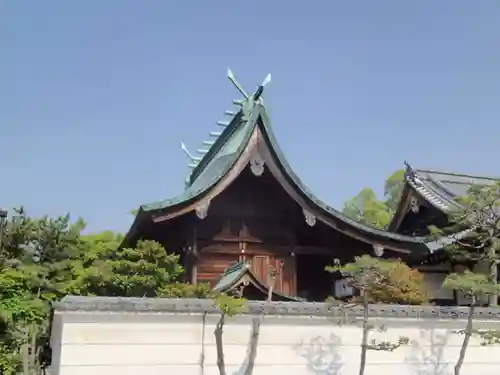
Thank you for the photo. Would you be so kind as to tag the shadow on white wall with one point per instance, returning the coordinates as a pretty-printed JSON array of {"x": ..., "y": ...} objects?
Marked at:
[
  {"x": 426, "y": 356},
  {"x": 321, "y": 355}
]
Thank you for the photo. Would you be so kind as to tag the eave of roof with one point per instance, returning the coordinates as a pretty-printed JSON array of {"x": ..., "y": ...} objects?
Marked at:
[
  {"x": 441, "y": 189},
  {"x": 316, "y": 202},
  {"x": 211, "y": 169}
]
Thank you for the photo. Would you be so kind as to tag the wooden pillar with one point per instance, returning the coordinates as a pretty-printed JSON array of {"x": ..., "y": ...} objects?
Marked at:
[{"x": 194, "y": 255}]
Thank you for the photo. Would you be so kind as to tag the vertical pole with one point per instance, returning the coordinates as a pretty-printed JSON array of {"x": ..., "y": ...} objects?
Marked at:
[{"x": 3, "y": 219}]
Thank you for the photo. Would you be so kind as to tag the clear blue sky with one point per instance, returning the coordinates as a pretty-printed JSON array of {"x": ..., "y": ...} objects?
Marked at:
[{"x": 96, "y": 96}]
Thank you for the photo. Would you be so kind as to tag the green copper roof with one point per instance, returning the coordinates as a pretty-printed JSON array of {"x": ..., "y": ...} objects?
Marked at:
[
  {"x": 234, "y": 275},
  {"x": 219, "y": 159},
  {"x": 216, "y": 163},
  {"x": 226, "y": 151},
  {"x": 231, "y": 276}
]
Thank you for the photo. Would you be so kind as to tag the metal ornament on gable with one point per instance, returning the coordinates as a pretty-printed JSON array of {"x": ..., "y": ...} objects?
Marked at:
[
  {"x": 257, "y": 163},
  {"x": 414, "y": 205},
  {"x": 310, "y": 218},
  {"x": 378, "y": 250},
  {"x": 202, "y": 209}
]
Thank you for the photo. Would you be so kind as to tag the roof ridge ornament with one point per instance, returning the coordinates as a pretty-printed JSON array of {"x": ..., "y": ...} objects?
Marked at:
[
  {"x": 409, "y": 172},
  {"x": 189, "y": 154},
  {"x": 408, "y": 169},
  {"x": 235, "y": 83},
  {"x": 249, "y": 100},
  {"x": 247, "y": 105}
]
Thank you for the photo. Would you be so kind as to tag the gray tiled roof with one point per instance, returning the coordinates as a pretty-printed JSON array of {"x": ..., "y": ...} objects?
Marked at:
[
  {"x": 163, "y": 305},
  {"x": 441, "y": 189}
]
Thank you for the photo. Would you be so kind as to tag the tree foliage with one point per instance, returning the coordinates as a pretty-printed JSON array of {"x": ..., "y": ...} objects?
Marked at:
[
  {"x": 384, "y": 281},
  {"x": 366, "y": 208},
  {"x": 44, "y": 259},
  {"x": 479, "y": 211},
  {"x": 377, "y": 280},
  {"x": 474, "y": 228},
  {"x": 475, "y": 231},
  {"x": 401, "y": 284},
  {"x": 474, "y": 225}
]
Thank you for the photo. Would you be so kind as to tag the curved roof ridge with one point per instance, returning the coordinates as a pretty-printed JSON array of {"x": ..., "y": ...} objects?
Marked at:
[
  {"x": 319, "y": 202},
  {"x": 206, "y": 178}
]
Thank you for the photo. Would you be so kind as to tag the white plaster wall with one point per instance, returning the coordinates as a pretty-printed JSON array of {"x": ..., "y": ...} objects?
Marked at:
[{"x": 167, "y": 344}]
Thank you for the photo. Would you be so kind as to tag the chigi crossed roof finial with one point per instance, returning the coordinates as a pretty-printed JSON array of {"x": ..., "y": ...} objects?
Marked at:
[
  {"x": 247, "y": 105},
  {"x": 258, "y": 93}
]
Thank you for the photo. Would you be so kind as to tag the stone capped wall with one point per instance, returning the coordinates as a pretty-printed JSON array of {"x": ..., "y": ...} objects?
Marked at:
[{"x": 128, "y": 336}]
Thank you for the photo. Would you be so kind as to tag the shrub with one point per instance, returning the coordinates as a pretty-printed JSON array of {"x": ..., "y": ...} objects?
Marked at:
[
  {"x": 385, "y": 281},
  {"x": 402, "y": 285}
]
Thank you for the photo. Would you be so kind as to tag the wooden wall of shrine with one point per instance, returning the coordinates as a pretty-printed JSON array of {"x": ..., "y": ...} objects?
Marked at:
[{"x": 255, "y": 220}]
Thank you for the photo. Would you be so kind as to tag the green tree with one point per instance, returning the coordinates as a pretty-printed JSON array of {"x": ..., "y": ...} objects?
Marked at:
[
  {"x": 475, "y": 229},
  {"x": 33, "y": 257},
  {"x": 366, "y": 274},
  {"x": 401, "y": 285},
  {"x": 393, "y": 188},
  {"x": 366, "y": 208},
  {"x": 20, "y": 314},
  {"x": 44, "y": 259}
]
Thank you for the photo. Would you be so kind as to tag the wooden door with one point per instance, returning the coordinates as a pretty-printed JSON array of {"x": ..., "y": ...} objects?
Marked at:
[
  {"x": 285, "y": 278},
  {"x": 288, "y": 276}
]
